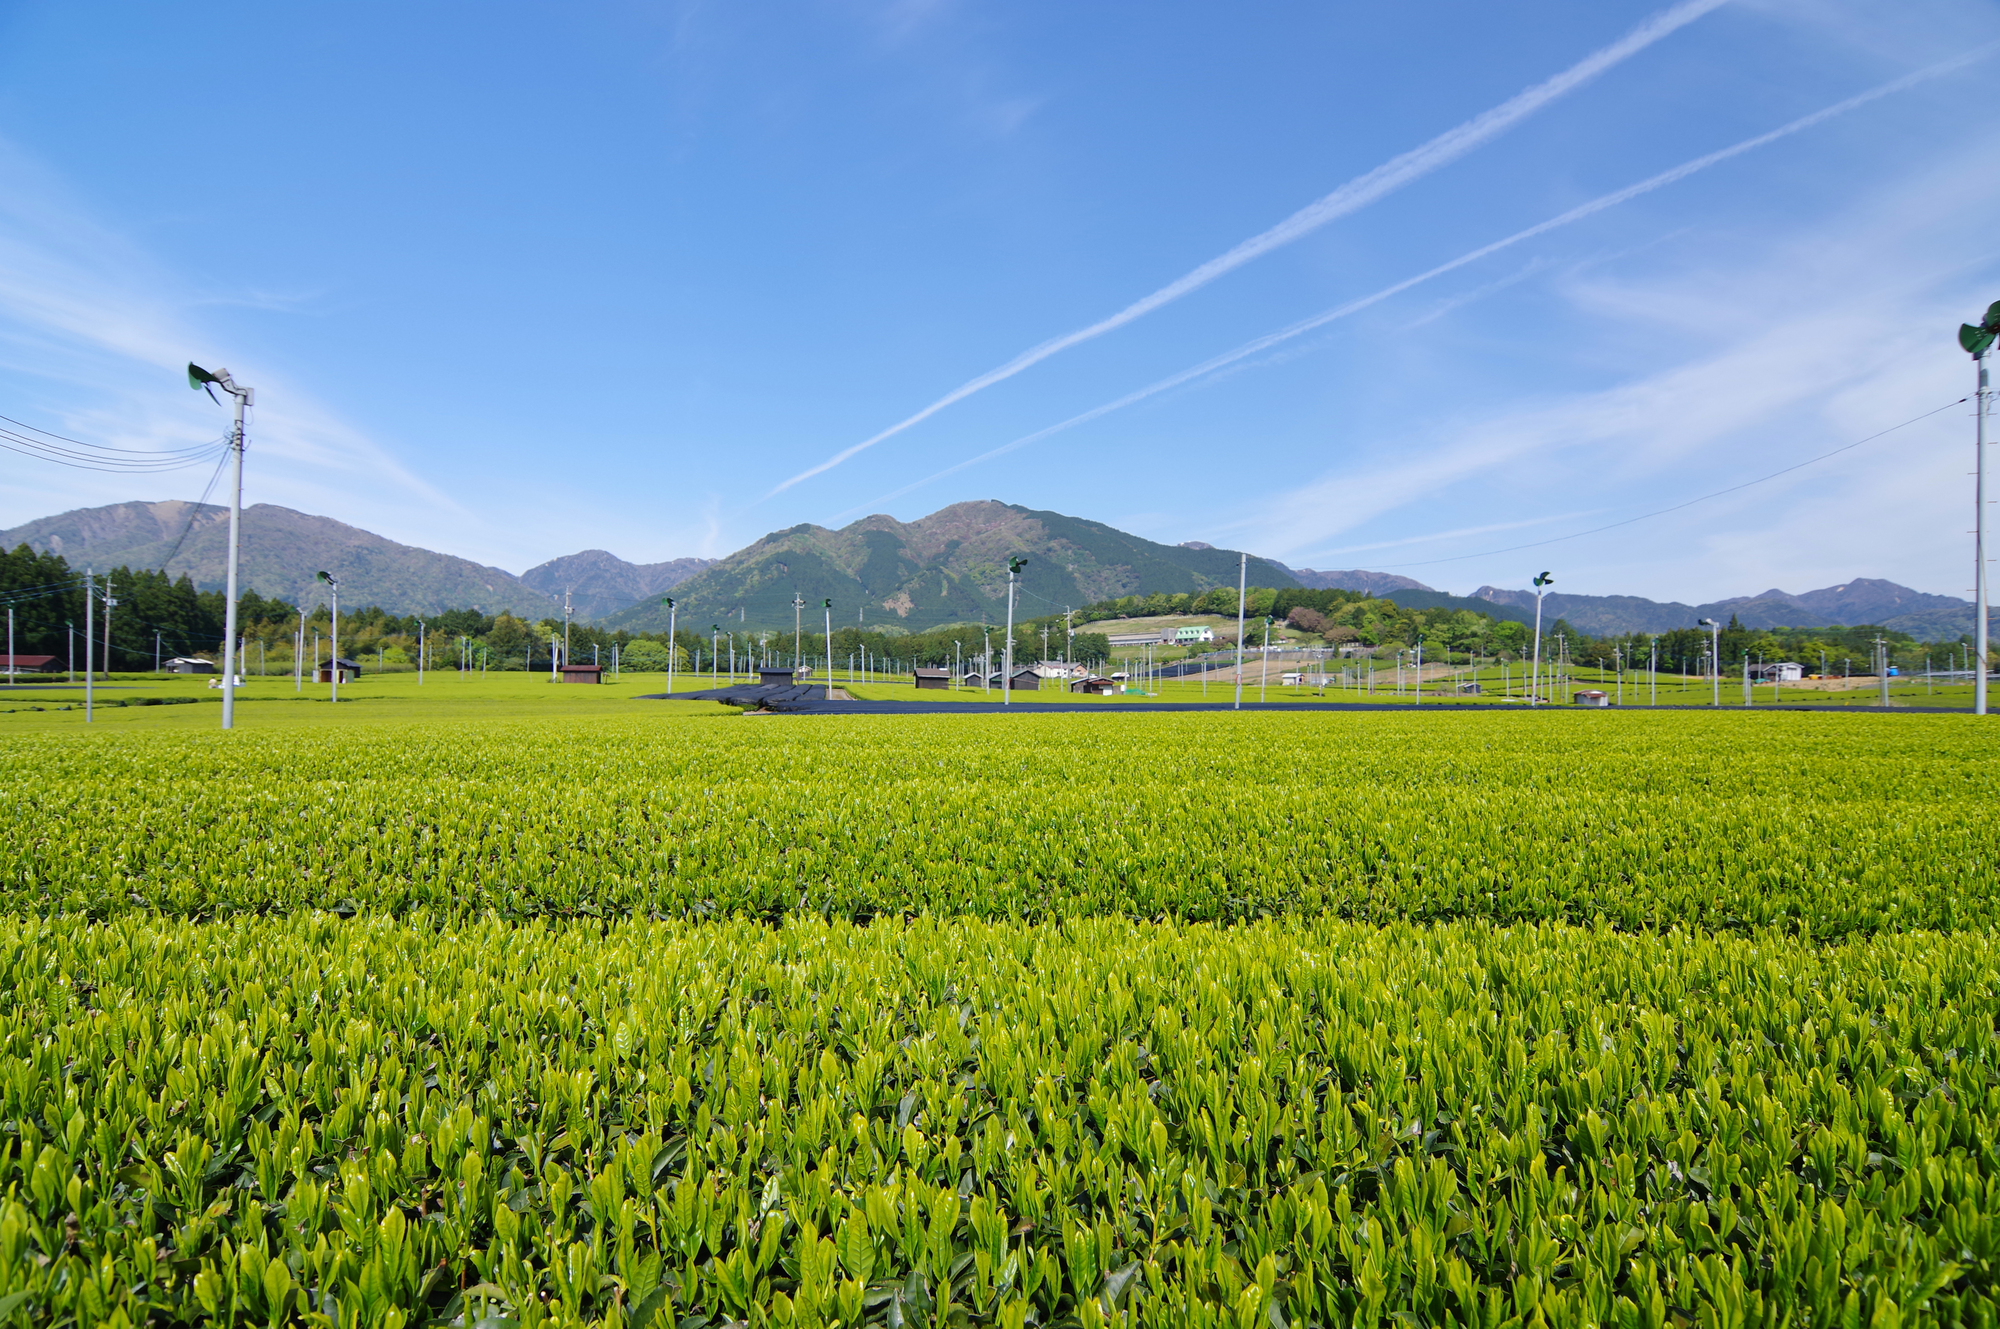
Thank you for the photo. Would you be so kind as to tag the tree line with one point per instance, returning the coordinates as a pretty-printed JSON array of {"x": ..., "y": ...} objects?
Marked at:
[{"x": 160, "y": 617}]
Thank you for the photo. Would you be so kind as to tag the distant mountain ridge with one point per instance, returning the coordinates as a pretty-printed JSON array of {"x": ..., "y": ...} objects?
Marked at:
[
  {"x": 1865, "y": 600},
  {"x": 948, "y": 567},
  {"x": 1374, "y": 583},
  {"x": 600, "y": 584},
  {"x": 282, "y": 550}
]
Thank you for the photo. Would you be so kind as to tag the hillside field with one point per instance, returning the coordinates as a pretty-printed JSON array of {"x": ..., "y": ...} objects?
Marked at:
[{"x": 490, "y": 1004}]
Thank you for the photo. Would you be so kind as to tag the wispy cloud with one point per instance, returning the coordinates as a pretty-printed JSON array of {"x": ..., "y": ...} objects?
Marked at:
[
  {"x": 1458, "y": 533},
  {"x": 99, "y": 331},
  {"x": 1869, "y": 300},
  {"x": 1350, "y": 198},
  {"x": 1576, "y": 214}
]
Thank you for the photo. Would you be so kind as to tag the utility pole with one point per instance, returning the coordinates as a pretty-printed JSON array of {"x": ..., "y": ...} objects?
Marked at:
[
  {"x": 13, "y": 669},
  {"x": 672, "y": 649},
  {"x": 566, "y": 612},
  {"x": 1882, "y": 670},
  {"x": 10, "y": 641},
  {"x": 1264, "y": 675},
  {"x": 89, "y": 663},
  {"x": 299, "y": 655},
  {"x": 1069, "y": 634},
  {"x": 1746, "y": 679},
  {"x": 110, "y": 602},
  {"x": 827, "y": 605},
  {"x": 986, "y": 660},
  {"x": 1977, "y": 341},
  {"x": 1242, "y": 589},
  {"x": 201, "y": 380},
  {"x": 798, "y": 647},
  {"x": 1014, "y": 566},
  {"x": 1535, "y": 672},
  {"x": 1714, "y": 660},
  {"x": 420, "y": 653},
  {"x": 333, "y": 670}
]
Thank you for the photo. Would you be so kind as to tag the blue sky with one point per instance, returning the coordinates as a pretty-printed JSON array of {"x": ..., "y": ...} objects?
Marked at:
[{"x": 513, "y": 280}]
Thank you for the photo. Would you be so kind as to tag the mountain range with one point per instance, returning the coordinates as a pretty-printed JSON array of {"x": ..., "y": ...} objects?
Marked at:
[
  {"x": 600, "y": 584},
  {"x": 1863, "y": 600},
  {"x": 949, "y": 567},
  {"x": 282, "y": 550}
]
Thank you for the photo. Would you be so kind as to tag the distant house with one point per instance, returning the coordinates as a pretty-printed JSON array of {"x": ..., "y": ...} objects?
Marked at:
[
  {"x": 1094, "y": 686},
  {"x": 939, "y": 679},
  {"x": 350, "y": 670},
  {"x": 190, "y": 664},
  {"x": 582, "y": 673},
  {"x": 1778, "y": 671},
  {"x": 1025, "y": 680},
  {"x": 1184, "y": 636},
  {"x": 25, "y": 664},
  {"x": 973, "y": 679},
  {"x": 1059, "y": 669},
  {"x": 1140, "y": 638}
]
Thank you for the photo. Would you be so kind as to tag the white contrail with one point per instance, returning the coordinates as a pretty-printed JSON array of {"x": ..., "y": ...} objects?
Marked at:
[
  {"x": 1351, "y": 197},
  {"x": 1577, "y": 213}
]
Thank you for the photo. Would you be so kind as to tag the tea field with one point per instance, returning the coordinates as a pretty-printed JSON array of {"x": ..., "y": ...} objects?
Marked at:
[{"x": 1251, "y": 1021}]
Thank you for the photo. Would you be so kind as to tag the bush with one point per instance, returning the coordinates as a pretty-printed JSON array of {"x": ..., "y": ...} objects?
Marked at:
[{"x": 645, "y": 657}]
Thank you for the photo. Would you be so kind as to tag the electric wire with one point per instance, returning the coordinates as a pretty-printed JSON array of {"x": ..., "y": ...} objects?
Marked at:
[
  {"x": 29, "y": 441},
  {"x": 188, "y": 526}
]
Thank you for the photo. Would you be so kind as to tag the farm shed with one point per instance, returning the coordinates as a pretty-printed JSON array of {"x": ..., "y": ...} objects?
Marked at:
[
  {"x": 190, "y": 664},
  {"x": 1591, "y": 697},
  {"x": 350, "y": 670},
  {"x": 582, "y": 673},
  {"x": 1094, "y": 686},
  {"x": 939, "y": 679},
  {"x": 30, "y": 664}
]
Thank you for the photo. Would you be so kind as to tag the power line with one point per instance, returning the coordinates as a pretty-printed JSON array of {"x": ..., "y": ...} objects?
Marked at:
[
  {"x": 29, "y": 441},
  {"x": 188, "y": 526}
]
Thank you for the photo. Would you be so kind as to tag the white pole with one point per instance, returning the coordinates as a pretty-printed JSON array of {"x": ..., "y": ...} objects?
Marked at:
[
  {"x": 89, "y": 661},
  {"x": 1242, "y": 588},
  {"x": 299, "y": 655},
  {"x": 242, "y": 396},
  {"x": 14, "y": 670},
  {"x": 1007, "y": 674},
  {"x": 672, "y": 611},
  {"x": 420, "y": 652},
  {"x": 1978, "y": 541},
  {"x": 1535, "y": 670},
  {"x": 333, "y": 674},
  {"x": 829, "y": 650}
]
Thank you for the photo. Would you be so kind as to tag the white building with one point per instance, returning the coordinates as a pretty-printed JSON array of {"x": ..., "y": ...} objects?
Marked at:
[{"x": 1184, "y": 636}]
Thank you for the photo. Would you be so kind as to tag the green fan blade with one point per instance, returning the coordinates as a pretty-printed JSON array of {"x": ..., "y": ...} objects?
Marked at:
[
  {"x": 197, "y": 376},
  {"x": 1992, "y": 322},
  {"x": 1974, "y": 340}
]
